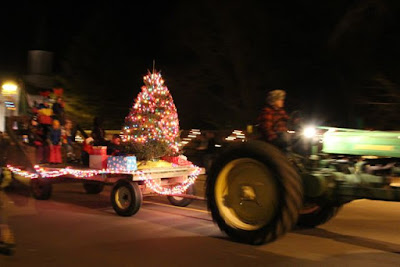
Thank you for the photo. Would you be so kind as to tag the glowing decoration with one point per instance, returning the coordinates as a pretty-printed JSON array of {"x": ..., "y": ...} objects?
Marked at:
[
  {"x": 176, "y": 190},
  {"x": 153, "y": 117},
  {"x": 236, "y": 134},
  {"x": 10, "y": 105},
  {"x": 153, "y": 184},
  {"x": 193, "y": 133},
  {"x": 23, "y": 173}
]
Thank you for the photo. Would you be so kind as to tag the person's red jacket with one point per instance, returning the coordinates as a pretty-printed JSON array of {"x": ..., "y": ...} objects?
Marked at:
[{"x": 272, "y": 121}]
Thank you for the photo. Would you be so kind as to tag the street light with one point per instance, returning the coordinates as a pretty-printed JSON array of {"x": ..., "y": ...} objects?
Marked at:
[
  {"x": 9, "y": 88},
  {"x": 9, "y": 100}
]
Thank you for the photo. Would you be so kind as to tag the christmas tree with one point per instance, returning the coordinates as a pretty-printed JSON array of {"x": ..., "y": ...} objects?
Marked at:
[{"x": 152, "y": 127}]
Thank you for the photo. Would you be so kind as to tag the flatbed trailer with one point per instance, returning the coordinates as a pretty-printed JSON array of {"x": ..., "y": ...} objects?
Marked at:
[{"x": 128, "y": 187}]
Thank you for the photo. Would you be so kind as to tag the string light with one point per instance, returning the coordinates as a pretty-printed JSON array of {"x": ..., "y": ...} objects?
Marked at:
[
  {"x": 22, "y": 173},
  {"x": 83, "y": 174},
  {"x": 155, "y": 184},
  {"x": 236, "y": 134},
  {"x": 193, "y": 133}
]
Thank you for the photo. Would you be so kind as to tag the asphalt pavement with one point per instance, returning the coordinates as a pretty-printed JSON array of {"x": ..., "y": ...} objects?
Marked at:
[{"x": 76, "y": 229}]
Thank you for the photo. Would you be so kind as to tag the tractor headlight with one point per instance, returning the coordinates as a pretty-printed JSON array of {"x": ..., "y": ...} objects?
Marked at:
[{"x": 310, "y": 132}]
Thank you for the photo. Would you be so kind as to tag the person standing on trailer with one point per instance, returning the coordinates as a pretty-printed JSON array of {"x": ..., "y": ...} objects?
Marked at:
[
  {"x": 54, "y": 140},
  {"x": 38, "y": 136},
  {"x": 98, "y": 133},
  {"x": 58, "y": 111}
]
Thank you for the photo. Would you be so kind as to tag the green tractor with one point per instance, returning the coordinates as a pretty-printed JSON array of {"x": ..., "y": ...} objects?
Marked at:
[{"x": 256, "y": 193}]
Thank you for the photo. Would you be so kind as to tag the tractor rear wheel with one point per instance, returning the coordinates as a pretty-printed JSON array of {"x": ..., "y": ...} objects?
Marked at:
[
  {"x": 254, "y": 193},
  {"x": 315, "y": 215}
]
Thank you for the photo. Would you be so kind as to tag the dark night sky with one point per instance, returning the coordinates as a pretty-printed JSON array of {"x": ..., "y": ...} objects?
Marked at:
[
  {"x": 324, "y": 53},
  {"x": 53, "y": 25}
]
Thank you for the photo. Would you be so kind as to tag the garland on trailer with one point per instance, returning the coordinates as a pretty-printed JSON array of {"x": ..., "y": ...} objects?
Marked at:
[
  {"x": 155, "y": 184},
  {"x": 146, "y": 177}
]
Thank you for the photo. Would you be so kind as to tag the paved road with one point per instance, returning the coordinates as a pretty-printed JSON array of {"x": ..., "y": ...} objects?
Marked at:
[{"x": 75, "y": 229}]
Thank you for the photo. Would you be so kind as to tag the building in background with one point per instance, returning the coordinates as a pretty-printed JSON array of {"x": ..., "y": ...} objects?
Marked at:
[
  {"x": 10, "y": 96},
  {"x": 19, "y": 92}
]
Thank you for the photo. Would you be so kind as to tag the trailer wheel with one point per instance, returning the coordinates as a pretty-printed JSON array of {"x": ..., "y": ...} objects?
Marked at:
[
  {"x": 5, "y": 250},
  {"x": 126, "y": 198},
  {"x": 41, "y": 189},
  {"x": 181, "y": 201},
  {"x": 254, "y": 193},
  {"x": 93, "y": 187},
  {"x": 319, "y": 214}
]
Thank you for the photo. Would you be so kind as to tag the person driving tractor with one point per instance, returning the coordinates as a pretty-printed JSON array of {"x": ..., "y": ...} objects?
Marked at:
[{"x": 272, "y": 121}]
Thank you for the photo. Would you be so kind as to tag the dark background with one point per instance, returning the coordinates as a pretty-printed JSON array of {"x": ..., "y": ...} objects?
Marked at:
[{"x": 337, "y": 60}]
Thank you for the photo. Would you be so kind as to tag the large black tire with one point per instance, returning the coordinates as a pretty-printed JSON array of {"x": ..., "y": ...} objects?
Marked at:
[
  {"x": 126, "y": 198},
  {"x": 319, "y": 215},
  {"x": 254, "y": 193},
  {"x": 93, "y": 187},
  {"x": 181, "y": 201},
  {"x": 41, "y": 188}
]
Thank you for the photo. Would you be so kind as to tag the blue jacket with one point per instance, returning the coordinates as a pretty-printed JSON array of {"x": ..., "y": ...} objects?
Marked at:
[{"x": 55, "y": 136}]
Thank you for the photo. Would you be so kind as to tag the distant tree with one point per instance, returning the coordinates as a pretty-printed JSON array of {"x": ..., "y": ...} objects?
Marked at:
[
  {"x": 363, "y": 47},
  {"x": 379, "y": 104}
]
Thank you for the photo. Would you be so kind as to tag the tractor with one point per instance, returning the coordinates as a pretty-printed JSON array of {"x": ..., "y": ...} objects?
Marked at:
[{"x": 256, "y": 192}]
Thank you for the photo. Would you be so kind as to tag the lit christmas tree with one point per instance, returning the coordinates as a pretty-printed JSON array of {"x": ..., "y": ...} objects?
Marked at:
[{"x": 152, "y": 126}]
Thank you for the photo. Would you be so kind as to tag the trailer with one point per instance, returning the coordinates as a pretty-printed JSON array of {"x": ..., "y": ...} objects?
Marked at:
[{"x": 128, "y": 187}]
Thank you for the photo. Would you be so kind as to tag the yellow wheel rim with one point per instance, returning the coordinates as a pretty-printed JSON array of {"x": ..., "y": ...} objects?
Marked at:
[
  {"x": 123, "y": 197},
  {"x": 246, "y": 194}
]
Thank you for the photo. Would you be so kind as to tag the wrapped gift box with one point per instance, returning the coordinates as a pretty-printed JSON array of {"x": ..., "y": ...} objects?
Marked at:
[
  {"x": 180, "y": 160},
  {"x": 98, "y": 161},
  {"x": 122, "y": 163},
  {"x": 99, "y": 150}
]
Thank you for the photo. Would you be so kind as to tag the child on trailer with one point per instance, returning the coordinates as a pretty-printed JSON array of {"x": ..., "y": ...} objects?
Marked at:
[
  {"x": 114, "y": 147},
  {"x": 54, "y": 140},
  {"x": 68, "y": 139}
]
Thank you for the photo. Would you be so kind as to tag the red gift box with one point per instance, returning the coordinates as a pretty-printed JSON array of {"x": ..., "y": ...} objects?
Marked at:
[
  {"x": 98, "y": 161},
  {"x": 178, "y": 160},
  {"x": 99, "y": 150}
]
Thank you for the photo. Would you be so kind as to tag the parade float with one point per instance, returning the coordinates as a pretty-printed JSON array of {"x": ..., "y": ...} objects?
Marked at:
[{"x": 151, "y": 162}]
